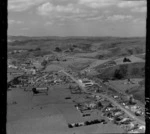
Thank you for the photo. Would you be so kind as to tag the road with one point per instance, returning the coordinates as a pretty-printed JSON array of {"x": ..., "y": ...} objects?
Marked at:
[
  {"x": 122, "y": 108},
  {"x": 109, "y": 98},
  {"x": 79, "y": 84}
]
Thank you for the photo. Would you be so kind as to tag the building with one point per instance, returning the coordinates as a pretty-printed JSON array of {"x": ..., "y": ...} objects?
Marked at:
[
  {"x": 118, "y": 113},
  {"x": 142, "y": 127},
  {"x": 30, "y": 71},
  {"x": 86, "y": 82},
  {"x": 91, "y": 105}
]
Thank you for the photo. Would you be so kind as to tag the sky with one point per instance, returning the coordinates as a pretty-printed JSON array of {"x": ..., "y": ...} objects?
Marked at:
[{"x": 77, "y": 18}]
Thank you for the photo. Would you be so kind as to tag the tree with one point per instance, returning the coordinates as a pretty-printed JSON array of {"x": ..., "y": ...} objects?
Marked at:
[
  {"x": 138, "y": 50},
  {"x": 74, "y": 45},
  {"x": 87, "y": 123},
  {"x": 14, "y": 62},
  {"x": 121, "y": 72},
  {"x": 37, "y": 49},
  {"x": 118, "y": 74},
  {"x": 44, "y": 63},
  {"x": 130, "y": 51},
  {"x": 57, "y": 49},
  {"x": 135, "y": 71},
  {"x": 99, "y": 104},
  {"x": 70, "y": 126},
  {"x": 30, "y": 50},
  {"x": 123, "y": 69},
  {"x": 71, "y": 49},
  {"x": 100, "y": 56},
  {"x": 127, "y": 91}
]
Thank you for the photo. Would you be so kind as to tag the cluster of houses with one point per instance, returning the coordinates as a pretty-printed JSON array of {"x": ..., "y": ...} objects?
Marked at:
[
  {"x": 17, "y": 51},
  {"x": 29, "y": 66},
  {"x": 113, "y": 113},
  {"x": 130, "y": 104}
]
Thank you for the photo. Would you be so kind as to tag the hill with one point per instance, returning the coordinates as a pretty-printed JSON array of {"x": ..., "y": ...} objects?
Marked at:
[{"x": 113, "y": 46}]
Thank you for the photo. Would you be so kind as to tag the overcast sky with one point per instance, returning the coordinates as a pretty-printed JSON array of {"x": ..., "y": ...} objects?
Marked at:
[{"x": 77, "y": 17}]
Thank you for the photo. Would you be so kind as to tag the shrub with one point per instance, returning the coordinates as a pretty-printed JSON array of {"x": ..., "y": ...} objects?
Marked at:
[
  {"x": 70, "y": 126},
  {"x": 130, "y": 51},
  {"x": 138, "y": 50},
  {"x": 74, "y": 45},
  {"x": 71, "y": 49},
  {"x": 100, "y": 56},
  {"x": 44, "y": 63},
  {"x": 135, "y": 71},
  {"x": 118, "y": 74},
  {"x": 37, "y": 49},
  {"x": 87, "y": 123},
  {"x": 121, "y": 72},
  {"x": 30, "y": 50},
  {"x": 76, "y": 125},
  {"x": 57, "y": 49}
]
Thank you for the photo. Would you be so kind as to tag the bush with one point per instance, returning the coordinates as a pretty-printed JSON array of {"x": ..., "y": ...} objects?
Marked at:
[
  {"x": 138, "y": 50},
  {"x": 123, "y": 69},
  {"x": 135, "y": 71},
  {"x": 71, "y": 49},
  {"x": 99, "y": 104},
  {"x": 130, "y": 51},
  {"x": 70, "y": 126},
  {"x": 30, "y": 50},
  {"x": 76, "y": 125},
  {"x": 74, "y": 45},
  {"x": 87, "y": 123},
  {"x": 121, "y": 72},
  {"x": 100, "y": 56},
  {"x": 44, "y": 63},
  {"x": 57, "y": 49},
  {"x": 118, "y": 74},
  {"x": 38, "y": 49}
]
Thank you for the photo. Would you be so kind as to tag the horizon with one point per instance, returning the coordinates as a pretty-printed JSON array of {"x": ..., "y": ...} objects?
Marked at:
[{"x": 79, "y": 36}]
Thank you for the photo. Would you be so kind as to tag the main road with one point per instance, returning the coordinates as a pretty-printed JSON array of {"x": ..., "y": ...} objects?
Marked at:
[{"x": 108, "y": 98}]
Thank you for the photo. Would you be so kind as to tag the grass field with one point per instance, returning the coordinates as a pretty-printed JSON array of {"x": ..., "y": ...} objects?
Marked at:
[{"x": 48, "y": 114}]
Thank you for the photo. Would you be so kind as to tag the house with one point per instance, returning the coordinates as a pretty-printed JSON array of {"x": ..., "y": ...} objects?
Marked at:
[
  {"x": 142, "y": 127},
  {"x": 124, "y": 120},
  {"x": 118, "y": 113},
  {"x": 30, "y": 71},
  {"x": 91, "y": 105},
  {"x": 127, "y": 107},
  {"x": 86, "y": 82},
  {"x": 12, "y": 66},
  {"x": 134, "y": 108}
]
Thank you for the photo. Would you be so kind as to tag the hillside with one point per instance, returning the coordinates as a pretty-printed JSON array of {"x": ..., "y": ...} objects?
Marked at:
[
  {"x": 112, "y": 46},
  {"x": 134, "y": 70}
]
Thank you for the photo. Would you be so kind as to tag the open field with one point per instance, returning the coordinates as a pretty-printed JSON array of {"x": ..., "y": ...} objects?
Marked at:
[
  {"x": 133, "y": 88},
  {"x": 138, "y": 92},
  {"x": 52, "y": 111},
  {"x": 133, "y": 70},
  {"x": 124, "y": 85}
]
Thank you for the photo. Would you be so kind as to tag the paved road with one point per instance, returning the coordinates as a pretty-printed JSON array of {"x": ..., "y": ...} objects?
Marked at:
[
  {"x": 74, "y": 80},
  {"x": 109, "y": 98},
  {"x": 122, "y": 108}
]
